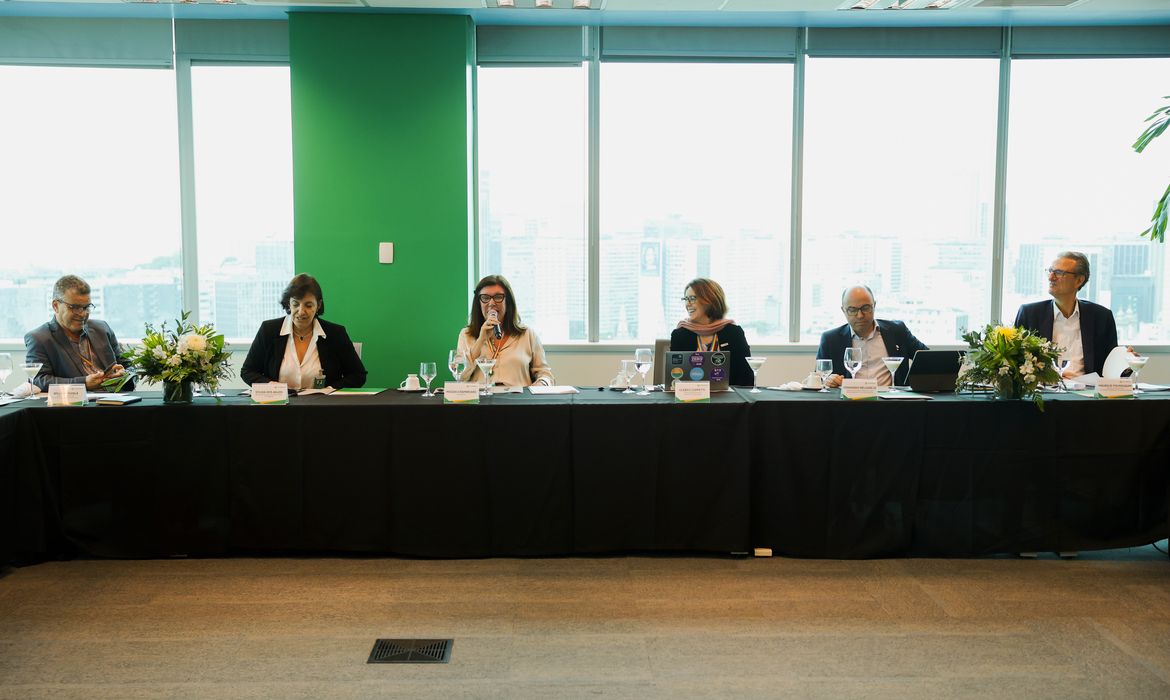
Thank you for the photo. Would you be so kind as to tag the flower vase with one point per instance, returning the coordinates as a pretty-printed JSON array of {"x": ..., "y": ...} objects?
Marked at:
[
  {"x": 177, "y": 392},
  {"x": 1009, "y": 391}
]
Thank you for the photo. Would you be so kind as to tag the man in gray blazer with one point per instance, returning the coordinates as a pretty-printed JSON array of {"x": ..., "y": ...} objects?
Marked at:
[{"x": 72, "y": 347}]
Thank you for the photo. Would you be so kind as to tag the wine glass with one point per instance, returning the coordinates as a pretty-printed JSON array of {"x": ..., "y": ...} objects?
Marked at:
[
  {"x": 5, "y": 369},
  {"x": 31, "y": 369},
  {"x": 456, "y": 362},
  {"x": 486, "y": 365},
  {"x": 824, "y": 368},
  {"x": 1136, "y": 362},
  {"x": 629, "y": 371},
  {"x": 1061, "y": 364},
  {"x": 428, "y": 371},
  {"x": 755, "y": 363},
  {"x": 892, "y": 364},
  {"x": 853, "y": 359},
  {"x": 643, "y": 361}
]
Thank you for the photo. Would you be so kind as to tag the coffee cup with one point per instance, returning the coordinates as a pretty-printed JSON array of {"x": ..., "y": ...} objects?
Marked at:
[
  {"x": 812, "y": 381},
  {"x": 410, "y": 383}
]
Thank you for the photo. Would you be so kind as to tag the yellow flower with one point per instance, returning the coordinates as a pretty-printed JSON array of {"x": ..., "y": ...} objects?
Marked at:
[{"x": 1007, "y": 333}]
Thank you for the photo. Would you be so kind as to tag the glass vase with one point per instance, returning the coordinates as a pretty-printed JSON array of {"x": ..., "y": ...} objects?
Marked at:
[{"x": 177, "y": 392}]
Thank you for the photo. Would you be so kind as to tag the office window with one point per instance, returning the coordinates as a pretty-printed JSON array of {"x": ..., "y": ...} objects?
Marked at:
[
  {"x": 243, "y": 194},
  {"x": 89, "y": 186},
  {"x": 695, "y": 173},
  {"x": 532, "y": 192},
  {"x": 899, "y": 168},
  {"x": 1074, "y": 182}
]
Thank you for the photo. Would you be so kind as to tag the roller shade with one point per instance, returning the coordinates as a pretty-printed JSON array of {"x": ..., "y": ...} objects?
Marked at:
[
  {"x": 906, "y": 42},
  {"x": 240, "y": 40},
  {"x": 497, "y": 45},
  {"x": 108, "y": 42},
  {"x": 711, "y": 43}
]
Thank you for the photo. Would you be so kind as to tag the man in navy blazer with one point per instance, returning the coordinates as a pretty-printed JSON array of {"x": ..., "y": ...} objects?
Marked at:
[
  {"x": 1086, "y": 331},
  {"x": 879, "y": 337},
  {"x": 72, "y": 347}
]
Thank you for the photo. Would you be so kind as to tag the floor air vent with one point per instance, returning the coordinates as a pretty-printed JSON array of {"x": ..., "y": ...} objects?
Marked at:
[{"x": 411, "y": 651}]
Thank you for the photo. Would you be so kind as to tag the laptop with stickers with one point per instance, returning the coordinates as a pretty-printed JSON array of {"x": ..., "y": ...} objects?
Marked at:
[{"x": 694, "y": 366}]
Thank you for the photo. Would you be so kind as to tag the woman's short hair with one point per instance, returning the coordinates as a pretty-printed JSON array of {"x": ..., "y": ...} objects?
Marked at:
[
  {"x": 1082, "y": 262},
  {"x": 511, "y": 320},
  {"x": 709, "y": 291},
  {"x": 299, "y": 287}
]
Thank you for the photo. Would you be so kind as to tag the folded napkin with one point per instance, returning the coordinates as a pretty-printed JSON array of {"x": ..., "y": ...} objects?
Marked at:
[{"x": 790, "y": 386}]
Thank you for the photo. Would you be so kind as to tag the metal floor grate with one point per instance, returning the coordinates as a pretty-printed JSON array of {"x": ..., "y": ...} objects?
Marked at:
[{"x": 411, "y": 651}]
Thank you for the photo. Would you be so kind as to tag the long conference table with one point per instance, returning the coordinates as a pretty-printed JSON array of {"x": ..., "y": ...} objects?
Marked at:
[{"x": 803, "y": 473}]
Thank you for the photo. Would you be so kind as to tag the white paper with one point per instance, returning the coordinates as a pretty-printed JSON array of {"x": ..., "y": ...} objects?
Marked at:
[
  {"x": 66, "y": 394},
  {"x": 461, "y": 392},
  {"x": 270, "y": 393},
  {"x": 855, "y": 389},
  {"x": 310, "y": 392},
  {"x": 904, "y": 396},
  {"x": 692, "y": 392},
  {"x": 1089, "y": 379},
  {"x": 542, "y": 390}
]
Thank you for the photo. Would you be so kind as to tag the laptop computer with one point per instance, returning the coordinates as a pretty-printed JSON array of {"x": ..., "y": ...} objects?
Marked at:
[
  {"x": 694, "y": 366},
  {"x": 934, "y": 371}
]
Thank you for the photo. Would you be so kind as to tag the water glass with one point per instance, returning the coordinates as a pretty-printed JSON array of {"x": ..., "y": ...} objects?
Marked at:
[
  {"x": 854, "y": 357},
  {"x": 643, "y": 361},
  {"x": 428, "y": 371},
  {"x": 486, "y": 365},
  {"x": 824, "y": 368},
  {"x": 628, "y": 371},
  {"x": 456, "y": 362},
  {"x": 5, "y": 369}
]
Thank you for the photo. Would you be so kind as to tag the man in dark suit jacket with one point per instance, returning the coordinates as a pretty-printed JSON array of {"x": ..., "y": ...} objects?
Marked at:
[
  {"x": 1086, "y": 331},
  {"x": 72, "y": 347},
  {"x": 858, "y": 305}
]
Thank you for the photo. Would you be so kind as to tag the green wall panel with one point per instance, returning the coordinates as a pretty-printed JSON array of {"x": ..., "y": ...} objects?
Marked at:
[{"x": 381, "y": 152}]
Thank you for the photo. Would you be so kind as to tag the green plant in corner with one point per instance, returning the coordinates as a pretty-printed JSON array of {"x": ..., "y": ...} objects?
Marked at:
[{"x": 1160, "y": 119}]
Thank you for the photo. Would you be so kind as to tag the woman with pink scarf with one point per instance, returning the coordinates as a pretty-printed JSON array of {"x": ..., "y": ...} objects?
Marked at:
[{"x": 705, "y": 329}]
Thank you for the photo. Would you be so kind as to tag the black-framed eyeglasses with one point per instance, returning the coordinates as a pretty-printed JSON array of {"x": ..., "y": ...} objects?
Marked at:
[
  {"x": 854, "y": 310},
  {"x": 689, "y": 300},
  {"x": 77, "y": 308},
  {"x": 485, "y": 298},
  {"x": 1059, "y": 274}
]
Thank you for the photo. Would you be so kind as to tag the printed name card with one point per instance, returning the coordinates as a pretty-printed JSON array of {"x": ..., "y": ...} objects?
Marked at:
[
  {"x": 67, "y": 395},
  {"x": 858, "y": 389},
  {"x": 270, "y": 394},
  {"x": 460, "y": 392},
  {"x": 692, "y": 392},
  {"x": 1114, "y": 388}
]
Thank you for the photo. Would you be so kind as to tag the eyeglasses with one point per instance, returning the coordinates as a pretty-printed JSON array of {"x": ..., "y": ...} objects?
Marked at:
[
  {"x": 689, "y": 300},
  {"x": 77, "y": 308},
  {"x": 1058, "y": 274},
  {"x": 485, "y": 298},
  {"x": 854, "y": 310}
]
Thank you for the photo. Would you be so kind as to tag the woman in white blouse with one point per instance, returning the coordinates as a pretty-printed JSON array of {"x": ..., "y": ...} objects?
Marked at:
[
  {"x": 517, "y": 350},
  {"x": 298, "y": 348}
]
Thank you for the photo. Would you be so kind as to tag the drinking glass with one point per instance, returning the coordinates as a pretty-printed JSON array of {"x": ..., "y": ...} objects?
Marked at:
[
  {"x": 755, "y": 363},
  {"x": 428, "y": 371},
  {"x": 1136, "y": 362},
  {"x": 456, "y": 362},
  {"x": 1061, "y": 364},
  {"x": 892, "y": 364},
  {"x": 824, "y": 368},
  {"x": 31, "y": 369},
  {"x": 853, "y": 360},
  {"x": 5, "y": 369},
  {"x": 643, "y": 361},
  {"x": 486, "y": 365},
  {"x": 629, "y": 371}
]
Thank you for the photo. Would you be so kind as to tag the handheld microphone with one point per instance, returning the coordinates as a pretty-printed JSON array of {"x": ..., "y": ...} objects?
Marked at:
[{"x": 499, "y": 331}]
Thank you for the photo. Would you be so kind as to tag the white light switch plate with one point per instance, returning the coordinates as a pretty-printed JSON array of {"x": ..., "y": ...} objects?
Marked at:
[{"x": 386, "y": 253}]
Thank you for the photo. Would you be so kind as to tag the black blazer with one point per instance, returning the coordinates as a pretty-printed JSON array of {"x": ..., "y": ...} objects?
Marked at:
[
  {"x": 897, "y": 337},
  {"x": 731, "y": 339},
  {"x": 60, "y": 363},
  {"x": 340, "y": 362},
  {"x": 1098, "y": 329}
]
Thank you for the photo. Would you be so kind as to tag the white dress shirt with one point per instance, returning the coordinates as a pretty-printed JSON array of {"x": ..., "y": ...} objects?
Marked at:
[
  {"x": 874, "y": 349},
  {"x": 299, "y": 374},
  {"x": 1066, "y": 333}
]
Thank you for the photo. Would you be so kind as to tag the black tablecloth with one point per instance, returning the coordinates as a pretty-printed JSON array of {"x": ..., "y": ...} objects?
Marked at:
[{"x": 803, "y": 473}]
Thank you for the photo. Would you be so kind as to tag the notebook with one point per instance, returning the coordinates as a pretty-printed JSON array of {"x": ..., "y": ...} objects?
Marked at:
[
  {"x": 694, "y": 366},
  {"x": 934, "y": 371}
]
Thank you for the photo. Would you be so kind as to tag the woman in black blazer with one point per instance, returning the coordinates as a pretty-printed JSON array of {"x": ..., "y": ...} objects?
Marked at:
[
  {"x": 705, "y": 329},
  {"x": 317, "y": 346}
]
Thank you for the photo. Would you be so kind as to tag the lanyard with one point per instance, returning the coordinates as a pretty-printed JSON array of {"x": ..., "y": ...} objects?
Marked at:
[
  {"x": 498, "y": 345},
  {"x": 710, "y": 346}
]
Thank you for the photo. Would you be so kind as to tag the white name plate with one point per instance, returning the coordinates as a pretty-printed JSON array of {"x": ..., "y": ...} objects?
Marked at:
[
  {"x": 270, "y": 394},
  {"x": 692, "y": 392},
  {"x": 461, "y": 392},
  {"x": 858, "y": 389},
  {"x": 67, "y": 395},
  {"x": 1120, "y": 387}
]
